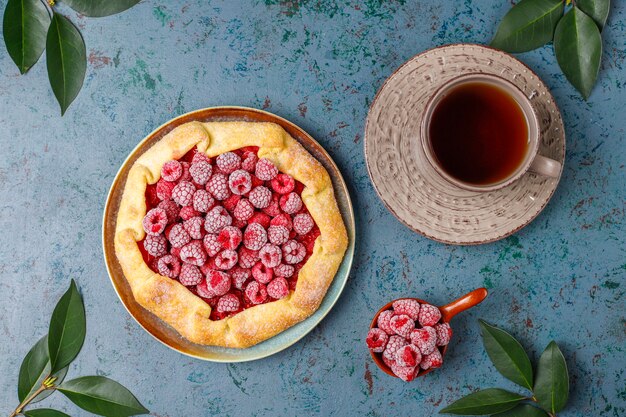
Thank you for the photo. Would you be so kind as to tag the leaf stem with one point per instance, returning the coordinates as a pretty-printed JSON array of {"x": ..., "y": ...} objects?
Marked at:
[{"x": 45, "y": 385}]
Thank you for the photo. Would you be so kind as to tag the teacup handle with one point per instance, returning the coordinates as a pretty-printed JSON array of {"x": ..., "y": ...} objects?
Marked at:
[
  {"x": 467, "y": 301},
  {"x": 545, "y": 166}
]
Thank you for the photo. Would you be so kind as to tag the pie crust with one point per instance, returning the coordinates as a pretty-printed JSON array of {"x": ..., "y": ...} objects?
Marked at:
[{"x": 172, "y": 302}]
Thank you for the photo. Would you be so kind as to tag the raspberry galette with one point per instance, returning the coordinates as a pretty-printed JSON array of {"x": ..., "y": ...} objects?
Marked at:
[{"x": 229, "y": 232}]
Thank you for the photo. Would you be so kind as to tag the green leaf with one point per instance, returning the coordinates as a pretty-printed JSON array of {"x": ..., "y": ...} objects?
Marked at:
[
  {"x": 67, "y": 329},
  {"x": 487, "y": 401},
  {"x": 102, "y": 396},
  {"x": 35, "y": 368},
  {"x": 507, "y": 355},
  {"x": 66, "y": 59},
  {"x": 528, "y": 25},
  {"x": 100, "y": 8},
  {"x": 598, "y": 10},
  {"x": 44, "y": 412},
  {"x": 578, "y": 48},
  {"x": 523, "y": 410},
  {"x": 24, "y": 28},
  {"x": 552, "y": 383}
]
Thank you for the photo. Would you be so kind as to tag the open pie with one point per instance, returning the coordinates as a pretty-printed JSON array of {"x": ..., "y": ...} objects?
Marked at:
[{"x": 229, "y": 232}]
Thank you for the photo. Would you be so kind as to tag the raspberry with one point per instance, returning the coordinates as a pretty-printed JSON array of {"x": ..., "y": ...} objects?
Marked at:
[
  {"x": 229, "y": 237},
  {"x": 175, "y": 252},
  {"x": 262, "y": 273},
  {"x": 291, "y": 203},
  {"x": 256, "y": 293},
  {"x": 393, "y": 345},
  {"x": 254, "y": 237},
  {"x": 376, "y": 340},
  {"x": 293, "y": 252},
  {"x": 389, "y": 362},
  {"x": 278, "y": 234},
  {"x": 194, "y": 227},
  {"x": 265, "y": 170},
  {"x": 226, "y": 259},
  {"x": 203, "y": 291},
  {"x": 171, "y": 170},
  {"x": 303, "y": 223},
  {"x": 228, "y": 162},
  {"x": 164, "y": 189},
  {"x": 188, "y": 212},
  {"x": 284, "y": 271},
  {"x": 169, "y": 266},
  {"x": 273, "y": 209},
  {"x": 239, "y": 276},
  {"x": 208, "y": 266},
  {"x": 243, "y": 210},
  {"x": 190, "y": 275},
  {"x": 406, "y": 306},
  {"x": 260, "y": 197},
  {"x": 193, "y": 253},
  {"x": 155, "y": 245},
  {"x": 425, "y": 339},
  {"x": 200, "y": 157},
  {"x": 429, "y": 315},
  {"x": 309, "y": 239},
  {"x": 444, "y": 333},
  {"x": 408, "y": 355},
  {"x": 171, "y": 209},
  {"x": 239, "y": 224},
  {"x": 218, "y": 186},
  {"x": 282, "y": 220},
  {"x": 228, "y": 303},
  {"x": 186, "y": 176},
  {"x": 405, "y": 373},
  {"x": 247, "y": 257},
  {"x": 201, "y": 172},
  {"x": 218, "y": 283},
  {"x": 270, "y": 255},
  {"x": 154, "y": 221},
  {"x": 202, "y": 201},
  {"x": 249, "y": 161},
  {"x": 240, "y": 182},
  {"x": 402, "y": 325},
  {"x": 432, "y": 360},
  {"x": 217, "y": 219},
  {"x": 183, "y": 193},
  {"x": 383, "y": 321},
  {"x": 260, "y": 218},
  {"x": 256, "y": 182},
  {"x": 211, "y": 244},
  {"x": 178, "y": 236},
  {"x": 278, "y": 288},
  {"x": 283, "y": 184}
]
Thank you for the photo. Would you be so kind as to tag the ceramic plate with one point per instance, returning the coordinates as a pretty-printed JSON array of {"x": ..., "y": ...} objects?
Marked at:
[
  {"x": 407, "y": 183},
  {"x": 162, "y": 331}
]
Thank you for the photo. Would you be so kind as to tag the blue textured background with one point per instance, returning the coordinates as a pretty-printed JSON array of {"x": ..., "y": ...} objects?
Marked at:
[{"x": 319, "y": 64}]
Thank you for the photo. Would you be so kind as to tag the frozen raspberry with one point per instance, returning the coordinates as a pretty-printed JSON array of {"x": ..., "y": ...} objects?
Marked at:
[
  {"x": 256, "y": 293},
  {"x": 175, "y": 252},
  {"x": 260, "y": 218},
  {"x": 444, "y": 333},
  {"x": 249, "y": 161},
  {"x": 202, "y": 201},
  {"x": 200, "y": 157},
  {"x": 273, "y": 209},
  {"x": 218, "y": 186},
  {"x": 278, "y": 288},
  {"x": 155, "y": 221},
  {"x": 254, "y": 237},
  {"x": 169, "y": 266},
  {"x": 243, "y": 210},
  {"x": 282, "y": 220},
  {"x": 260, "y": 197},
  {"x": 291, "y": 203},
  {"x": 262, "y": 273},
  {"x": 208, "y": 266},
  {"x": 247, "y": 257},
  {"x": 190, "y": 275},
  {"x": 211, "y": 244},
  {"x": 429, "y": 315},
  {"x": 194, "y": 227},
  {"x": 164, "y": 189},
  {"x": 284, "y": 271},
  {"x": 293, "y": 252},
  {"x": 408, "y": 355},
  {"x": 226, "y": 259},
  {"x": 257, "y": 182},
  {"x": 228, "y": 303},
  {"x": 203, "y": 291},
  {"x": 171, "y": 170},
  {"x": 228, "y": 162},
  {"x": 432, "y": 360},
  {"x": 240, "y": 182},
  {"x": 239, "y": 224},
  {"x": 218, "y": 283},
  {"x": 402, "y": 325},
  {"x": 200, "y": 171},
  {"x": 193, "y": 253},
  {"x": 303, "y": 223},
  {"x": 155, "y": 245},
  {"x": 405, "y": 373},
  {"x": 425, "y": 339},
  {"x": 188, "y": 212},
  {"x": 376, "y": 340},
  {"x": 217, "y": 219},
  {"x": 171, "y": 209},
  {"x": 393, "y": 345},
  {"x": 239, "y": 276},
  {"x": 185, "y": 176},
  {"x": 183, "y": 193},
  {"x": 229, "y": 237},
  {"x": 278, "y": 234},
  {"x": 406, "y": 306},
  {"x": 178, "y": 236},
  {"x": 270, "y": 255},
  {"x": 383, "y": 322},
  {"x": 265, "y": 170},
  {"x": 283, "y": 184}
]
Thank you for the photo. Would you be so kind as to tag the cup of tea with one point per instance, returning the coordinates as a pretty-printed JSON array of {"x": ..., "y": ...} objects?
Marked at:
[{"x": 481, "y": 133}]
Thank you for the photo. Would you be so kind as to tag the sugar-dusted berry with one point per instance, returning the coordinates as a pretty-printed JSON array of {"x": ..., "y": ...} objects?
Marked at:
[
  {"x": 211, "y": 244},
  {"x": 260, "y": 218},
  {"x": 183, "y": 193},
  {"x": 293, "y": 252},
  {"x": 195, "y": 227},
  {"x": 270, "y": 255},
  {"x": 405, "y": 373},
  {"x": 193, "y": 253},
  {"x": 407, "y": 306},
  {"x": 186, "y": 176},
  {"x": 273, "y": 209},
  {"x": 171, "y": 209},
  {"x": 256, "y": 292},
  {"x": 291, "y": 203},
  {"x": 200, "y": 157},
  {"x": 262, "y": 273},
  {"x": 178, "y": 236},
  {"x": 303, "y": 223},
  {"x": 249, "y": 160},
  {"x": 155, "y": 245},
  {"x": 229, "y": 237},
  {"x": 218, "y": 283},
  {"x": 260, "y": 197},
  {"x": 200, "y": 172},
  {"x": 444, "y": 333},
  {"x": 429, "y": 315},
  {"x": 164, "y": 189},
  {"x": 265, "y": 170},
  {"x": 243, "y": 210},
  {"x": 218, "y": 186},
  {"x": 239, "y": 276},
  {"x": 155, "y": 221},
  {"x": 284, "y": 271},
  {"x": 408, "y": 355},
  {"x": 383, "y": 322},
  {"x": 247, "y": 257},
  {"x": 217, "y": 219},
  {"x": 169, "y": 266},
  {"x": 282, "y": 219},
  {"x": 190, "y": 275},
  {"x": 425, "y": 339},
  {"x": 432, "y": 360},
  {"x": 228, "y": 162},
  {"x": 402, "y": 325},
  {"x": 171, "y": 171},
  {"x": 188, "y": 212},
  {"x": 202, "y": 201},
  {"x": 395, "y": 342},
  {"x": 254, "y": 237},
  {"x": 226, "y": 259},
  {"x": 240, "y": 182},
  {"x": 376, "y": 340},
  {"x": 278, "y": 288},
  {"x": 278, "y": 234},
  {"x": 283, "y": 184},
  {"x": 228, "y": 303}
]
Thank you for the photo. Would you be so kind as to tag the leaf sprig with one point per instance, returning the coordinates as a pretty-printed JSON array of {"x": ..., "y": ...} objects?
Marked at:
[
  {"x": 549, "y": 390},
  {"x": 32, "y": 26},
  {"x": 45, "y": 366},
  {"x": 531, "y": 24}
]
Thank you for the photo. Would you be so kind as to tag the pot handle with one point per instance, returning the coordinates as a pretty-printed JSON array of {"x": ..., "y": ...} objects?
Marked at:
[{"x": 467, "y": 301}]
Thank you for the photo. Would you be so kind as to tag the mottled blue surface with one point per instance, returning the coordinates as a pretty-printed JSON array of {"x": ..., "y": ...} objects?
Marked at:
[{"x": 319, "y": 64}]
